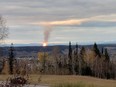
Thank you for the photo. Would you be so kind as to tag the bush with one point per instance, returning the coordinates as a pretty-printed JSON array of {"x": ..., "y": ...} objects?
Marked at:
[
  {"x": 14, "y": 82},
  {"x": 18, "y": 81}
]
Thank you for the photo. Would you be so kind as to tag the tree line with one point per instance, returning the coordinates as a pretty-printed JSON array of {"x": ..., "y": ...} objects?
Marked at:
[
  {"x": 80, "y": 61},
  {"x": 76, "y": 61},
  {"x": 91, "y": 62}
]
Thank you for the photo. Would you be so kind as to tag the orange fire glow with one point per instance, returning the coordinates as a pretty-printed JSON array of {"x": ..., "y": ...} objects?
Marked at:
[{"x": 44, "y": 44}]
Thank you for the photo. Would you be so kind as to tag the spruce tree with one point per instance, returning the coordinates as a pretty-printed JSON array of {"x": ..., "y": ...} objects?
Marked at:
[
  {"x": 107, "y": 66},
  {"x": 76, "y": 59},
  {"x": 96, "y": 50},
  {"x": 107, "y": 55},
  {"x": 102, "y": 50},
  {"x": 82, "y": 51},
  {"x": 11, "y": 59},
  {"x": 70, "y": 59},
  {"x": 81, "y": 60}
]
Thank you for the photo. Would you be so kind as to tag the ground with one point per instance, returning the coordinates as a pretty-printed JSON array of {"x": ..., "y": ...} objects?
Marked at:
[{"x": 59, "y": 79}]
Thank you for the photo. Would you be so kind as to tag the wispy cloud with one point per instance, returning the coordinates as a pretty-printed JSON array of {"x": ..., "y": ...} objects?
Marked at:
[{"x": 101, "y": 18}]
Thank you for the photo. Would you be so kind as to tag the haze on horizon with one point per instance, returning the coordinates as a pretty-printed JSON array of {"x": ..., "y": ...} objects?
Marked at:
[{"x": 82, "y": 21}]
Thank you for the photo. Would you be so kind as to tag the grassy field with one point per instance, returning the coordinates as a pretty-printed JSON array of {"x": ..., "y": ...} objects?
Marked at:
[{"x": 70, "y": 79}]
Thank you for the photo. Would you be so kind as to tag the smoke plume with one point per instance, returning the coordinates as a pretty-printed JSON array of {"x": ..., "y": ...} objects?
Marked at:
[
  {"x": 48, "y": 25},
  {"x": 47, "y": 32}
]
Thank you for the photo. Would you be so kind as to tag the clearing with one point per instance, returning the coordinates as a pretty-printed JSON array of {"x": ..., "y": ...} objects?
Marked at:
[{"x": 60, "y": 79}]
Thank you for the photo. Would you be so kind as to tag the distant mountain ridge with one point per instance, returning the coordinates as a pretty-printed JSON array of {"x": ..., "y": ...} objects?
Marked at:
[
  {"x": 32, "y": 51},
  {"x": 52, "y": 44},
  {"x": 49, "y": 48}
]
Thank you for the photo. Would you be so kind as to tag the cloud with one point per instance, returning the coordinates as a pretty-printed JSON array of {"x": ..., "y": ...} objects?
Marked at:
[
  {"x": 101, "y": 18},
  {"x": 27, "y": 11},
  {"x": 24, "y": 18}
]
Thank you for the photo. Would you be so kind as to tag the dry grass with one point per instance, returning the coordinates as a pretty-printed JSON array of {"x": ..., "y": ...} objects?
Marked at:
[{"x": 61, "y": 79}]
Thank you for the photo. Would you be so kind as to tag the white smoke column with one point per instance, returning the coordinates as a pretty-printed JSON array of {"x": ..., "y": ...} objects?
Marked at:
[
  {"x": 48, "y": 27},
  {"x": 47, "y": 31}
]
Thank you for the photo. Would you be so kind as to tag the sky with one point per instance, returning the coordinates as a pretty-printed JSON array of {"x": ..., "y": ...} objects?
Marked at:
[{"x": 81, "y": 21}]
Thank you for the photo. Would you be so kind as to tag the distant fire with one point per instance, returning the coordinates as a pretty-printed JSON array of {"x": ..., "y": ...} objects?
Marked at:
[{"x": 44, "y": 44}]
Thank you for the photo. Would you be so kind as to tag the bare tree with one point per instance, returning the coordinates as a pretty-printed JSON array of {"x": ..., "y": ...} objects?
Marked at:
[
  {"x": 55, "y": 53},
  {"x": 3, "y": 29},
  {"x": 3, "y": 35},
  {"x": 3, "y": 32}
]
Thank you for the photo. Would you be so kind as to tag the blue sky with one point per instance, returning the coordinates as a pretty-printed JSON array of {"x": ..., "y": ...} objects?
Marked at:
[{"x": 82, "y": 21}]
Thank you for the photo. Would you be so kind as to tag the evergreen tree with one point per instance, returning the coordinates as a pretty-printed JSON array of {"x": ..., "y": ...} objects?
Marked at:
[
  {"x": 102, "y": 50},
  {"x": 70, "y": 59},
  {"x": 96, "y": 50},
  {"x": 11, "y": 59},
  {"x": 76, "y": 65},
  {"x": 82, "y": 51},
  {"x": 107, "y": 65},
  {"x": 107, "y": 55},
  {"x": 81, "y": 61}
]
